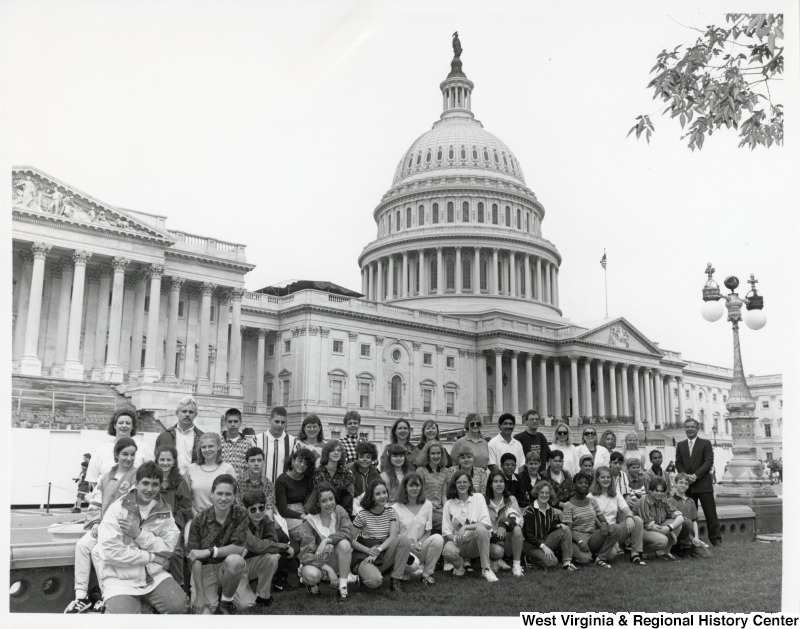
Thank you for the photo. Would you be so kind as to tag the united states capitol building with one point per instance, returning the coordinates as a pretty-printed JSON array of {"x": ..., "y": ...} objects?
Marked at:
[{"x": 457, "y": 311}]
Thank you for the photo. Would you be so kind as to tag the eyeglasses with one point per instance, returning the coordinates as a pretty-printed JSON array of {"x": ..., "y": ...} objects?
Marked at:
[
  {"x": 257, "y": 508},
  {"x": 561, "y": 432},
  {"x": 475, "y": 424},
  {"x": 589, "y": 434}
]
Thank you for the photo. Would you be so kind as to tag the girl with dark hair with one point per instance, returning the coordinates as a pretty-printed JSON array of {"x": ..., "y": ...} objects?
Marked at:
[
  {"x": 395, "y": 468},
  {"x": 506, "y": 517},
  {"x": 310, "y": 435},
  {"x": 333, "y": 471},
  {"x": 465, "y": 526},
  {"x": 433, "y": 472},
  {"x": 430, "y": 432},
  {"x": 415, "y": 521},
  {"x": 122, "y": 424},
  {"x": 363, "y": 468},
  {"x": 378, "y": 546},
  {"x": 176, "y": 493},
  {"x": 325, "y": 542},
  {"x": 400, "y": 434},
  {"x": 293, "y": 488}
]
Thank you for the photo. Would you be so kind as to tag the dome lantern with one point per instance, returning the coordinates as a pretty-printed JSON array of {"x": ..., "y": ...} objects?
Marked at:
[{"x": 456, "y": 88}]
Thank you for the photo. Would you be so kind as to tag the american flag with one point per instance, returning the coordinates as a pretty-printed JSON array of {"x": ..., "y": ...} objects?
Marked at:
[{"x": 603, "y": 260}]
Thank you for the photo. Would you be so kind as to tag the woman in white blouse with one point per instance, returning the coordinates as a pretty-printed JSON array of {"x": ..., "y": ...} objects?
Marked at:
[
  {"x": 614, "y": 508},
  {"x": 465, "y": 526},
  {"x": 415, "y": 521},
  {"x": 599, "y": 454}
]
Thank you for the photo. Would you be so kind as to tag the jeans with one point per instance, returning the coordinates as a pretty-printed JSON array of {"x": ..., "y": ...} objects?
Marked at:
[
  {"x": 431, "y": 551},
  {"x": 558, "y": 539},
  {"x": 166, "y": 598}
]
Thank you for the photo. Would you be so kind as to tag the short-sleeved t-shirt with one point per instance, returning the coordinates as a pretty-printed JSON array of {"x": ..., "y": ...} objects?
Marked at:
[
  {"x": 583, "y": 518},
  {"x": 374, "y": 526}
]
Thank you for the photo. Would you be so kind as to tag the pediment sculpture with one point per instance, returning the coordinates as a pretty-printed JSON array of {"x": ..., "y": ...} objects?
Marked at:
[{"x": 618, "y": 335}]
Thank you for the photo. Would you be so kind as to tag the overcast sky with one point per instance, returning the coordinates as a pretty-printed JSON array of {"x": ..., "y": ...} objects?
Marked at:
[{"x": 279, "y": 125}]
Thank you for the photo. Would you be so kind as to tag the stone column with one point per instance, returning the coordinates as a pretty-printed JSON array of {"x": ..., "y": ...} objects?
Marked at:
[
  {"x": 112, "y": 371},
  {"x": 659, "y": 386},
  {"x": 73, "y": 369},
  {"x": 62, "y": 326},
  {"x": 150, "y": 373},
  {"x": 380, "y": 294},
  {"x": 235, "y": 360},
  {"x": 670, "y": 404},
  {"x": 459, "y": 278},
  {"x": 476, "y": 273},
  {"x": 101, "y": 322},
  {"x": 423, "y": 285},
  {"x": 626, "y": 408},
  {"x": 648, "y": 399},
  {"x": 681, "y": 408},
  {"x": 261, "y": 407},
  {"x": 370, "y": 282},
  {"x": 201, "y": 377},
  {"x": 498, "y": 381},
  {"x": 481, "y": 382},
  {"x": 138, "y": 325},
  {"x": 601, "y": 394},
  {"x": 548, "y": 297},
  {"x": 406, "y": 275},
  {"x": 175, "y": 285},
  {"x": 514, "y": 384},
  {"x": 543, "y": 386},
  {"x": 637, "y": 401},
  {"x": 528, "y": 287},
  {"x": 390, "y": 279},
  {"x": 612, "y": 385},
  {"x": 573, "y": 381},
  {"x": 31, "y": 365},
  {"x": 557, "y": 389},
  {"x": 495, "y": 284},
  {"x": 587, "y": 386},
  {"x": 553, "y": 289},
  {"x": 23, "y": 301},
  {"x": 439, "y": 272},
  {"x": 528, "y": 381},
  {"x": 539, "y": 279},
  {"x": 512, "y": 283},
  {"x": 364, "y": 282}
]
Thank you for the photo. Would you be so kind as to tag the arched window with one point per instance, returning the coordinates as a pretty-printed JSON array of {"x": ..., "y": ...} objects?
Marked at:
[
  {"x": 419, "y": 158},
  {"x": 474, "y": 153},
  {"x": 451, "y": 153},
  {"x": 494, "y": 214},
  {"x": 439, "y": 154},
  {"x": 408, "y": 217},
  {"x": 485, "y": 155},
  {"x": 433, "y": 278},
  {"x": 435, "y": 213},
  {"x": 528, "y": 222},
  {"x": 450, "y": 273},
  {"x": 466, "y": 273},
  {"x": 389, "y": 223},
  {"x": 428, "y": 157},
  {"x": 397, "y": 221},
  {"x": 465, "y": 212},
  {"x": 421, "y": 215},
  {"x": 505, "y": 161},
  {"x": 463, "y": 153},
  {"x": 519, "y": 218},
  {"x": 496, "y": 159},
  {"x": 451, "y": 212},
  {"x": 508, "y": 216},
  {"x": 410, "y": 159},
  {"x": 480, "y": 212},
  {"x": 397, "y": 393}
]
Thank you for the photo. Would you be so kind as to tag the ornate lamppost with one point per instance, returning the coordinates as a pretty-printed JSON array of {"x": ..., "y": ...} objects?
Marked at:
[{"x": 744, "y": 481}]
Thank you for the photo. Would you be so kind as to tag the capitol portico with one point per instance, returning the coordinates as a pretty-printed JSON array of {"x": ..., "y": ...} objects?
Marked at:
[{"x": 459, "y": 311}]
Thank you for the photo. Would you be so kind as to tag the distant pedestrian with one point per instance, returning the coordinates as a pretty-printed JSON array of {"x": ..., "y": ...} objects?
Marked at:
[{"x": 83, "y": 484}]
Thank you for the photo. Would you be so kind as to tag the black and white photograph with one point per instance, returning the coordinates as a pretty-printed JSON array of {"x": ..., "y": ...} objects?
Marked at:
[{"x": 340, "y": 310}]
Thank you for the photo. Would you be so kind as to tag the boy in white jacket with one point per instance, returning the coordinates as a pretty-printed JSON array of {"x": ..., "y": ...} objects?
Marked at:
[{"x": 135, "y": 541}]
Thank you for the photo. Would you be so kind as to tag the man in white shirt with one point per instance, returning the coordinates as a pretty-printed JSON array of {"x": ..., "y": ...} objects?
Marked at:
[
  {"x": 184, "y": 435},
  {"x": 504, "y": 442},
  {"x": 277, "y": 444}
]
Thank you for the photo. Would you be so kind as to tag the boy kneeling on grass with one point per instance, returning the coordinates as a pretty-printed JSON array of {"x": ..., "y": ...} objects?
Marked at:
[
  {"x": 135, "y": 541},
  {"x": 689, "y": 542}
]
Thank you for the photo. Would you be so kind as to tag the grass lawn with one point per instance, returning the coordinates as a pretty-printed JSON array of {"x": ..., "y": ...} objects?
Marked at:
[{"x": 739, "y": 577}]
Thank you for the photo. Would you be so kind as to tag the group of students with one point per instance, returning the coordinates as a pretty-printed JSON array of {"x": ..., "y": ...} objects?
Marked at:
[{"x": 228, "y": 517}]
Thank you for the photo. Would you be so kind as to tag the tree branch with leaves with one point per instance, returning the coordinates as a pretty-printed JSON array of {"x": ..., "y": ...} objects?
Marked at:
[{"x": 723, "y": 80}]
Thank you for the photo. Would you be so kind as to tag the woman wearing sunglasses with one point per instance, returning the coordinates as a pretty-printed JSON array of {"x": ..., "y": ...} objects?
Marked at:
[
  {"x": 472, "y": 441},
  {"x": 599, "y": 454},
  {"x": 562, "y": 440}
]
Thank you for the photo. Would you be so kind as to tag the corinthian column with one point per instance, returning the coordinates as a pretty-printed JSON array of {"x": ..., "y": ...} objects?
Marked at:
[
  {"x": 23, "y": 299},
  {"x": 612, "y": 387},
  {"x": 514, "y": 384},
  {"x": 648, "y": 399},
  {"x": 101, "y": 322},
  {"x": 601, "y": 395},
  {"x": 557, "y": 388},
  {"x": 573, "y": 381},
  {"x": 543, "y": 387},
  {"x": 112, "y": 371},
  {"x": 498, "y": 381},
  {"x": 73, "y": 369},
  {"x": 203, "y": 383},
  {"x": 137, "y": 332},
  {"x": 150, "y": 373},
  {"x": 260, "y": 354},
  {"x": 235, "y": 365},
  {"x": 175, "y": 285},
  {"x": 31, "y": 365},
  {"x": 62, "y": 325}
]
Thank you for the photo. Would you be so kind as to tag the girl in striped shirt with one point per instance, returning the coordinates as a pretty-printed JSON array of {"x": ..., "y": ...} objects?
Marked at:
[{"x": 378, "y": 547}]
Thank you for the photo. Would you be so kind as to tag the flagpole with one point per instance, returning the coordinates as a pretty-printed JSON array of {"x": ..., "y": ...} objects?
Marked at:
[{"x": 605, "y": 277}]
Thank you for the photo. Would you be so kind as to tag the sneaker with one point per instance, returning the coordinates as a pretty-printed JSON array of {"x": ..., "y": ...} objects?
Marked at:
[
  {"x": 263, "y": 602},
  {"x": 502, "y": 565},
  {"x": 341, "y": 594},
  {"x": 447, "y": 566},
  {"x": 517, "y": 571},
  {"x": 489, "y": 575},
  {"x": 226, "y": 608},
  {"x": 79, "y": 606},
  {"x": 99, "y": 606},
  {"x": 75, "y": 510}
]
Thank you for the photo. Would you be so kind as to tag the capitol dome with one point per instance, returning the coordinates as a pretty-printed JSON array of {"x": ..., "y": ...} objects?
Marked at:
[{"x": 459, "y": 231}]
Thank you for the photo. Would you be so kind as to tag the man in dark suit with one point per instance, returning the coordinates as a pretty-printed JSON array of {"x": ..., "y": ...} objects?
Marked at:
[
  {"x": 695, "y": 457},
  {"x": 183, "y": 436}
]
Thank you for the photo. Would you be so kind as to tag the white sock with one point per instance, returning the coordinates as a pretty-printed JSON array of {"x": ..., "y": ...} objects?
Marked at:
[
  {"x": 226, "y": 599},
  {"x": 342, "y": 583},
  {"x": 517, "y": 563}
]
